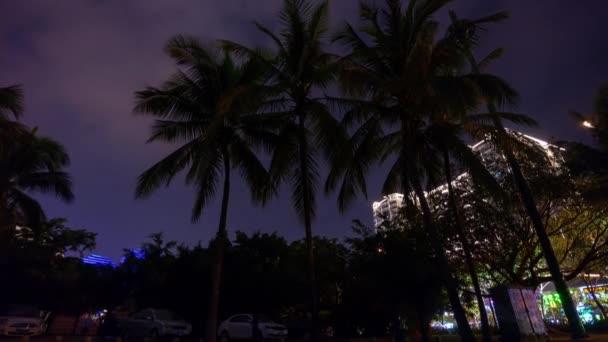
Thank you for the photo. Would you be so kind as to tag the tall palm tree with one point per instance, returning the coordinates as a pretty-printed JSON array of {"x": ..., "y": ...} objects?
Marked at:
[
  {"x": 29, "y": 164},
  {"x": 406, "y": 79},
  {"x": 299, "y": 68},
  {"x": 208, "y": 108},
  {"x": 466, "y": 32},
  {"x": 445, "y": 132}
]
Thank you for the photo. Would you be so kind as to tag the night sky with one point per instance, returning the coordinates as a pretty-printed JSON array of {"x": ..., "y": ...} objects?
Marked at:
[{"x": 80, "y": 62}]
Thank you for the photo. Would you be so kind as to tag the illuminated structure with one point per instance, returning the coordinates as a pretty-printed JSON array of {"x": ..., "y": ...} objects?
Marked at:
[
  {"x": 97, "y": 260},
  {"x": 495, "y": 163},
  {"x": 102, "y": 261},
  {"x": 388, "y": 208},
  {"x": 588, "y": 291}
]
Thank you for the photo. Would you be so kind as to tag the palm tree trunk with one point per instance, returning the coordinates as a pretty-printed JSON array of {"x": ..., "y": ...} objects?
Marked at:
[
  {"x": 221, "y": 240},
  {"x": 464, "y": 329},
  {"x": 466, "y": 247},
  {"x": 306, "y": 197},
  {"x": 576, "y": 325}
]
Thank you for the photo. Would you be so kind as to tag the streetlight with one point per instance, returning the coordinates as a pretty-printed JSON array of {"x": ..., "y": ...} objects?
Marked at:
[{"x": 588, "y": 124}]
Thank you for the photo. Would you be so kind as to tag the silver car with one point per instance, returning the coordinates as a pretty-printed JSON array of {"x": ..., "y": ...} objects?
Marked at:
[
  {"x": 23, "y": 321},
  {"x": 154, "y": 323},
  {"x": 241, "y": 327}
]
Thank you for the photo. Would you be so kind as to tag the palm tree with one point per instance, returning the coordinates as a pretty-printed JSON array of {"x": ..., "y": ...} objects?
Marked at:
[
  {"x": 31, "y": 163},
  {"x": 299, "y": 66},
  {"x": 465, "y": 32},
  {"x": 208, "y": 107},
  {"x": 406, "y": 79},
  {"x": 447, "y": 136},
  {"x": 11, "y": 107},
  {"x": 445, "y": 132}
]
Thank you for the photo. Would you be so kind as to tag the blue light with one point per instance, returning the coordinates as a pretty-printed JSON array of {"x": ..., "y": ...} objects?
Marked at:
[
  {"x": 97, "y": 260},
  {"x": 138, "y": 253}
]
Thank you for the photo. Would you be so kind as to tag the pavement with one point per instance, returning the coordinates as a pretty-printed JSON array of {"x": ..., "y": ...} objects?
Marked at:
[{"x": 596, "y": 337}]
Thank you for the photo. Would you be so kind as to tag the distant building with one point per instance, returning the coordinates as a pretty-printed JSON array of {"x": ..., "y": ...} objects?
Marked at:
[{"x": 388, "y": 208}]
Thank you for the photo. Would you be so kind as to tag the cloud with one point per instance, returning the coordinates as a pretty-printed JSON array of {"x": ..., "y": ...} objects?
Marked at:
[{"x": 82, "y": 60}]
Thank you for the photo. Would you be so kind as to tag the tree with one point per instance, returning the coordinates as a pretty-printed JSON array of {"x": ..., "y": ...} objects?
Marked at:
[
  {"x": 299, "y": 67},
  {"x": 35, "y": 260},
  {"x": 445, "y": 132},
  {"x": 31, "y": 163},
  {"x": 59, "y": 238},
  {"x": 377, "y": 296},
  {"x": 590, "y": 165},
  {"x": 401, "y": 77},
  {"x": 208, "y": 107},
  {"x": 466, "y": 34},
  {"x": 507, "y": 246},
  {"x": 446, "y": 145},
  {"x": 598, "y": 121}
]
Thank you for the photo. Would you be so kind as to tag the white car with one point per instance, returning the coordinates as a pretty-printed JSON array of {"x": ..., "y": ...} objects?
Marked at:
[
  {"x": 23, "y": 321},
  {"x": 241, "y": 327},
  {"x": 153, "y": 323}
]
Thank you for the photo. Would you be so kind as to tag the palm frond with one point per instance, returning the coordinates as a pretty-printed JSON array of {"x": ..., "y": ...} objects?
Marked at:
[
  {"x": 394, "y": 179},
  {"x": 318, "y": 21},
  {"x": 253, "y": 171},
  {"x": 485, "y": 62},
  {"x": 27, "y": 208},
  {"x": 351, "y": 162},
  {"x": 11, "y": 101},
  {"x": 487, "y": 118},
  {"x": 277, "y": 41},
  {"x": 492, "y": 18},
  {"x": 51, "y": 182},
  {"x": 165, "y": 103},
  {"x": 163, "y": 172},
  {"x": 172, "y": 131},
  {"x": 204, "y": 175},
  {"x": 494, "y": 89},
  {"x": 304, "y": 180},
  {"x": 187, "y": 50}
]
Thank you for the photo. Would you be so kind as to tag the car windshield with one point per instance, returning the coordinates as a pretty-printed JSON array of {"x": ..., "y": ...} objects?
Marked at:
[
  {"x": 20, "y": 311},
  {"x": 165, "y": 315}
]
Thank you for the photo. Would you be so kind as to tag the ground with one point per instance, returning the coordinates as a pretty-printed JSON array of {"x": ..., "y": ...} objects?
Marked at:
[{"x": 554, "y": 337}]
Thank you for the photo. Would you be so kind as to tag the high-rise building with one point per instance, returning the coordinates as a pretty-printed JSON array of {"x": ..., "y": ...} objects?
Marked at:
[{"x": 388, "y": 208}]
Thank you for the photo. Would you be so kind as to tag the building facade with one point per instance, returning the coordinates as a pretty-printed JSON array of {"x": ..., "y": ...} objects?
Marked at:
[{"x": 389, "y": 207}]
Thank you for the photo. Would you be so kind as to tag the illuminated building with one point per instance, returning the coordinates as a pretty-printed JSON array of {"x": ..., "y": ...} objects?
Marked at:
[{"x": 388, "y": 208}]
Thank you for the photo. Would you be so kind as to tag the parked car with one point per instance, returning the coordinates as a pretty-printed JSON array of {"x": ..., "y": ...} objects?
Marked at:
[
  {"x": 23, "y": 321},
  {"x": 241, "y": 327},
  {"x": 153, "y": 323}
]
